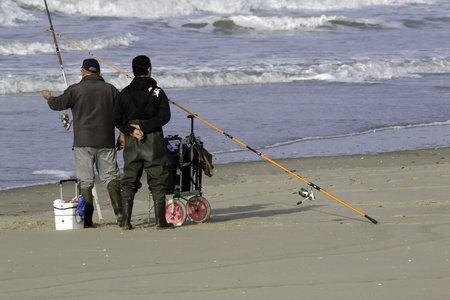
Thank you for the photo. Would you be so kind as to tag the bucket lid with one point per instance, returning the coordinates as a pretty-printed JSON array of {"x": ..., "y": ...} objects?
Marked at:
[{"x": 58, "y": 203}]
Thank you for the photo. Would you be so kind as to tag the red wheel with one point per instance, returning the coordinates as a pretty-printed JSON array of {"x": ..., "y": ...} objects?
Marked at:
[
  {"x": 175, "y": 212},
  {"x": 198, "y": 209}
]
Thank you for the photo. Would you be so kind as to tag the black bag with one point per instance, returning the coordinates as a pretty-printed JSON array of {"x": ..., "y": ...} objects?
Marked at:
[{"x": 172, "y": 150}]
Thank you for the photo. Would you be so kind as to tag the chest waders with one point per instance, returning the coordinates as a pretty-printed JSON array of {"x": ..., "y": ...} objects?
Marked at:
[{"x": 147, "y": 155}]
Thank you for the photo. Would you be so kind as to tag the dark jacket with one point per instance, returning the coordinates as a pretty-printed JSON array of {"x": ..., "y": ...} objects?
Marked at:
[
  {"x": 141, "y": 100},
  {"x": 92, "y": 102}
]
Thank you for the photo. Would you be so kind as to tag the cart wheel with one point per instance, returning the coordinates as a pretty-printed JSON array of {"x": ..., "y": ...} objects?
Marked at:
[
  {"x": 175, "y": 212},
  {"x": 198, "y": 209}
]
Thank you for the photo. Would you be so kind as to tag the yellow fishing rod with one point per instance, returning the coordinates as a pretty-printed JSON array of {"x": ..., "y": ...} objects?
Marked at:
[{"x": 308, "y": 195}]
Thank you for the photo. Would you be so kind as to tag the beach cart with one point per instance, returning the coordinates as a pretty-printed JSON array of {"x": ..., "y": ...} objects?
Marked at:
[{"x": 187, "y": 160}]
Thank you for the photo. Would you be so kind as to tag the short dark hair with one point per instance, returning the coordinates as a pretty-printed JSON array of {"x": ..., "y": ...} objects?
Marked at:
[{"x": 140, "y": 65}]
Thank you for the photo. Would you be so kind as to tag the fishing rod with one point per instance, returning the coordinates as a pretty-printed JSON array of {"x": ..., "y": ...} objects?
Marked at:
[
  {"x": 312, "y": 185},
  {"x": 64, "y": 117},
  {"x": 308, "y": 195},
  {"x": 56, "y": 43}
]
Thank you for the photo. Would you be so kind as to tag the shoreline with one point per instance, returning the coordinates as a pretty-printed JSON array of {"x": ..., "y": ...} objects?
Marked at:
[
  {"x": 259, "y": 160},
  {"x": 36, "y": 199},
  {"x": 257, "y": 244}
]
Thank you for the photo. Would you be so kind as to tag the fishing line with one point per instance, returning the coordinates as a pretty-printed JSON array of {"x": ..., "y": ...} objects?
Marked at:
[{"x": 312, "y": 185}]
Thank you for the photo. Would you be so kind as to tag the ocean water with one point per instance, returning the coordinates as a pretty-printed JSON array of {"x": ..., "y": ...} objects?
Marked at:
[{"x": 288, "y": 78}]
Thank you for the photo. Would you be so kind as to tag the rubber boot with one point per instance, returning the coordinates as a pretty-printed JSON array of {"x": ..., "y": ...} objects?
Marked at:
[
  {"x": 127, "y": 209},
  {"x": 160, "y": 215},
  {"x": 89, "y": 209},
  {"x": 116, "y": 199}
]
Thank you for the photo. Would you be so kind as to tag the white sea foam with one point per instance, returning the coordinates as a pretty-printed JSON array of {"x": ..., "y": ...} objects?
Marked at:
[
  {"x": 361, "y": 71},
  {"x": 373, "y": 70},
  {"x": 29, "y": 48},
  {"x": 11, "y": 14},
  {"x": 276, "y": 24},
  {"x": 55, "y": 173},
  {"x": 151, "y": 9}
]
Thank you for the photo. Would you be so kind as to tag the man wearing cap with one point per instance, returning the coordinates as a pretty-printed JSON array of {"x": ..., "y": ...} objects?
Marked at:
[
  {"x": 140, "y": 111},
  {"x": 92, "y": 101}
]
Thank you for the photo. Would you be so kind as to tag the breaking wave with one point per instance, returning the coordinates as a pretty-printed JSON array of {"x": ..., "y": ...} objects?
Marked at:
[
  {"x": 154, "y": 9},
  {"x": 276, "y": 24},
  {"x": 98, "y": 43},
  {"x": 11, "y": 14},
  {"x": 362, "y": 71}
]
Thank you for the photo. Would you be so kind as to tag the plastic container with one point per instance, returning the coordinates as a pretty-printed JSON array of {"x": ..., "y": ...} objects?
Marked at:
[{"x": 66, "y": 216}]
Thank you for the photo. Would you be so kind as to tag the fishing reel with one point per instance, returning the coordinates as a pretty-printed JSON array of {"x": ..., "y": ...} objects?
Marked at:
[
  {"x": 308, "y": 195},
  {"x": 66, "y": 121}
]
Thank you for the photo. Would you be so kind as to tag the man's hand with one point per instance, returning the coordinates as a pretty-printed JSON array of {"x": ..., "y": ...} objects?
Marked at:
[
  {"x": 46, "y": 94},
  {"x": 137, "y": 133},
  {"x": 120, "y": 142}
]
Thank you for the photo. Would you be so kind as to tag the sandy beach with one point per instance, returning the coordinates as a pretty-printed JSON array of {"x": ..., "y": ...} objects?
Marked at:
[{"x": 257, "y": 244}]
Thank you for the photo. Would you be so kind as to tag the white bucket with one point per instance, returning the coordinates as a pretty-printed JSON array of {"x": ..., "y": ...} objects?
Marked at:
[{"x": 66, "y": 216}]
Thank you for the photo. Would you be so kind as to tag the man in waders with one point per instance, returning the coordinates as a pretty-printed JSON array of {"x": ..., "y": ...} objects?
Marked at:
[
  {"x": 141, "y": 110},
  {"x": 92, "y": 102}
]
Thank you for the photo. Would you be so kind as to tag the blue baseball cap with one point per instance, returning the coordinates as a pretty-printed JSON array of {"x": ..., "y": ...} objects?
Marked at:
[{"x": 91, "y": 65}]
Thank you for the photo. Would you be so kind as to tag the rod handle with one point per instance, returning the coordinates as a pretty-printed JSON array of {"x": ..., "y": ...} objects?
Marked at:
[{"x": 371, "y": 219}]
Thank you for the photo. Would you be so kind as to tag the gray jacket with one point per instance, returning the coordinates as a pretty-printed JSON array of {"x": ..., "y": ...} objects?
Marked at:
[{"x": 92, "y": 102}]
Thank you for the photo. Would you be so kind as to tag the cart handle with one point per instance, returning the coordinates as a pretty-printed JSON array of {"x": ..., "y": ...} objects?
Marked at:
[{"x": 68, "y": 180}]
